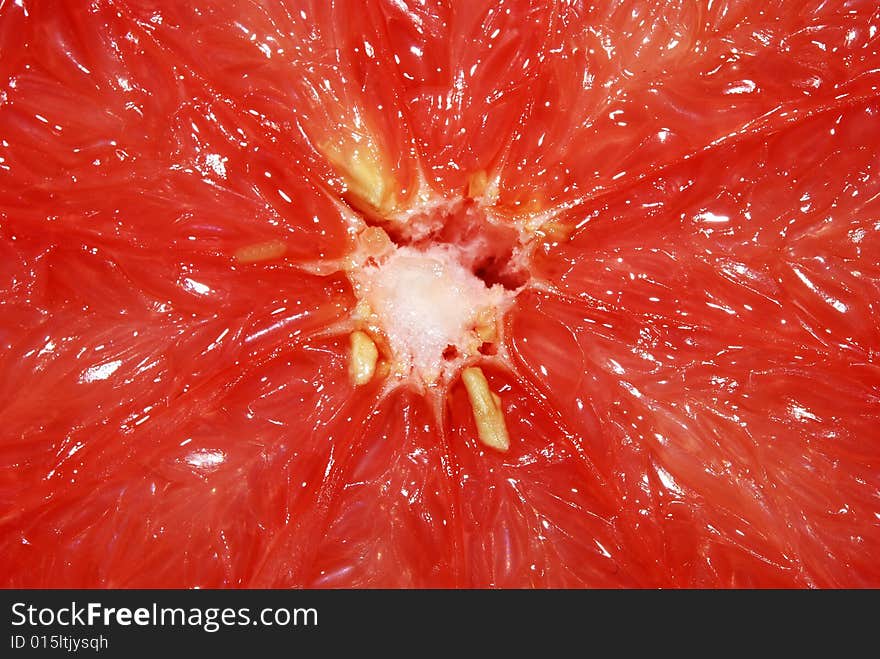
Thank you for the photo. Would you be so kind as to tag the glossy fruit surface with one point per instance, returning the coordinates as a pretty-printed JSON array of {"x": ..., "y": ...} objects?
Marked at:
[{"x": 689, "y": 376}]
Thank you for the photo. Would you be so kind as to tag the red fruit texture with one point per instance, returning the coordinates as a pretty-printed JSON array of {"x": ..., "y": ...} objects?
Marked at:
[{"x": 687, "y": 370}]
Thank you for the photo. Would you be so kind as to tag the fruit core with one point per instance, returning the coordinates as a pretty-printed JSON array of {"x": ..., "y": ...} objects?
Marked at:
[{"x": 433, "y": 286}]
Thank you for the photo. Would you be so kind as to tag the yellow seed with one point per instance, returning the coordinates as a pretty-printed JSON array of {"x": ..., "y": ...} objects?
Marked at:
[
  {"x": 486, "y": 405},
  {"x": 365, "y": 172},
  {"x": 271, "y": 249},
  {"x": 364, "y": 355}
]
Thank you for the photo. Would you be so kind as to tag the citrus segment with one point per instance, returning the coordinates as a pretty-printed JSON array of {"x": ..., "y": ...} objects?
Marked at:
[
  {"x": 471, "y": 64},
  {"x": 688, "y": 354},
  {"x": 539, "y": 514},
  {"x": 397, "y": 511},
  {"x": 643, "y": 85},
  {"x": 272, "y": 58}
]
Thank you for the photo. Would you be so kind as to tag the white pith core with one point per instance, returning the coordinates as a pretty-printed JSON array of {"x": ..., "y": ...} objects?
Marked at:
[{"x": 424, "y": 302}]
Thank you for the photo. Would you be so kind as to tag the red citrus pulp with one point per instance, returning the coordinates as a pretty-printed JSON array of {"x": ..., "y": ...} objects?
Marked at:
[{"x": 454, "y": 294}]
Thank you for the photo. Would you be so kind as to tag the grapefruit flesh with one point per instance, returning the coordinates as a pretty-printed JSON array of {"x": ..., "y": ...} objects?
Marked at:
[{"x": 679, "y": 205}]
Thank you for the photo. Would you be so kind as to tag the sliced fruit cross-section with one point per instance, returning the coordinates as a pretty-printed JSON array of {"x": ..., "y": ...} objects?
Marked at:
[{"x": 454, "y": 294}]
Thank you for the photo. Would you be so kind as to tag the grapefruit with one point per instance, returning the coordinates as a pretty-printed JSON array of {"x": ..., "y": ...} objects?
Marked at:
[{"x": 439, "y": 294}]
